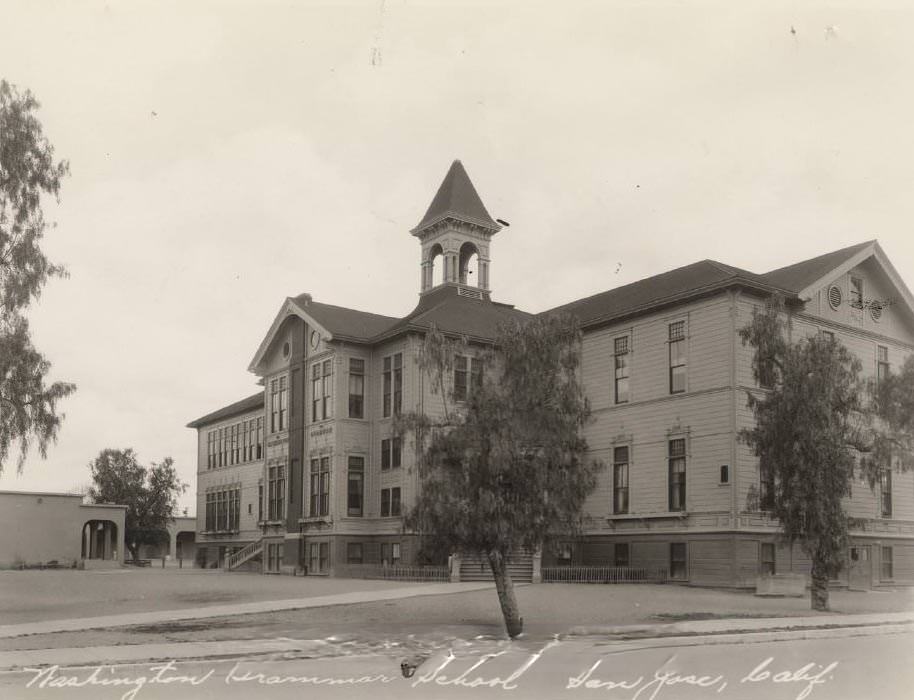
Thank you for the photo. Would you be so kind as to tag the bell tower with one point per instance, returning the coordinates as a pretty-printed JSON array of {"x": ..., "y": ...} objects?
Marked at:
[{"x": 454, "y": 236}]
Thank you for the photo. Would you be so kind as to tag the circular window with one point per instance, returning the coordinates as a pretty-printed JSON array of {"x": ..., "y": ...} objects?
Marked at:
[
  {"x": 876, "y": 312},
  {"x": 285, "y": 349},
  {"x": 834, "y": 296}
]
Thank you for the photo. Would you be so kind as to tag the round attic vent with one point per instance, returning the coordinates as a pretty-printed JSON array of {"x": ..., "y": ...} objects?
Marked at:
[
  {"x": 285, "y": 349},
  {"x": 876, "y": 312},
  {"x": 834, "y": 296}
]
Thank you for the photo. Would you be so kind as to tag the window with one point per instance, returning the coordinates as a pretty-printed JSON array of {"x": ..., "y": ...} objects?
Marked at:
[
  {"x": 276, "y": 492},
  {"x": 677, "y": 477},
  {"x": 885, "y": 493},
  {"x": 677, "y": 344},
  {"x": 621, "y": 369},
  {"x": 620, "y": 480},
  {"x": 393, "y": 384},
  {"x": 320, "y": 487},
  {"x": 354, "y": 553},
  {"x": 766, "y": 486},
  {"x": 210, "y": 449},
  {"x": 260, "y": 438},
  {"x": 278, "y": 404},
  {"x": 322, "y": 390},
  {"x": 856, "y": 293},
  {"x": 355, "y": 491},
  {"x": 223, "y": 510},
  {"x": 766, "y": 558},
  {"x": 275, "y": 553},
  {"x": 259, "y": 502},
  {"x": 390, "y": 502},
  {"x": 882, "y": 362},
  {"x": 467, "y": 376},
  {"x": 356, "y": 388},
  {"x": 724, "y": 473},
  {"x": 828, "y": 335},
  {"x": 565, "y": 555},
  {"x": 391, "y": 453},
  {"x": 887, "y": 572},
  {"x": 319, "y": 557},
  {"x": 621, "y": 554},
  {"x": 390, "y": 553},
  {"x": 678, "y": 561}
]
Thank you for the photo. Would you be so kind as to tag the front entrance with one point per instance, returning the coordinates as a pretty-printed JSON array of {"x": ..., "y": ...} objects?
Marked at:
[{"x": 860, "y": 568}]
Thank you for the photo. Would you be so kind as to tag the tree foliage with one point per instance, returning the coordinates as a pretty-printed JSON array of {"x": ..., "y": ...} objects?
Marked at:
[
  {"x": 150, "y": 494},
  {"x": 507, "y": 469},
  {"x": 819, "y": 425},
  {"x": 28, "y": 405}
]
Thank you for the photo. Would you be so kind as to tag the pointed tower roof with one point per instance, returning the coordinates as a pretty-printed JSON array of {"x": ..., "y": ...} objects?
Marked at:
[{"x": 457, "y": 199}]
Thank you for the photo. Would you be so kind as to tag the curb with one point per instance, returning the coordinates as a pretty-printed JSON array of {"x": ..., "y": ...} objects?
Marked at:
[{"x": 743, "y": 626}]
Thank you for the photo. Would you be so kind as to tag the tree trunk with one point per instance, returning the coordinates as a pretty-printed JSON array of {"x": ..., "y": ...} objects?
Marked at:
[
  {"x": 514, "y": 623},
  {"x": 818, "y": 587}
]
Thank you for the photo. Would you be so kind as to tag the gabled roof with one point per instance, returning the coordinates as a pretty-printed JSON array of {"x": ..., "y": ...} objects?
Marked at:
[
  {"x": 251, "y": 403},
  {"x": 340, "y": 321},
  {"x": 702, "y": 277},
  {"x": 457, "y": 198},
  {"x": 803, "y": 274},
  {"x": 451, "y": 312}
]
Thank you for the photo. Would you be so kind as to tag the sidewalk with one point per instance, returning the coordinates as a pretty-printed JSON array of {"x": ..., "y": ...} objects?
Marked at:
[{"x": 159, "y": 616}]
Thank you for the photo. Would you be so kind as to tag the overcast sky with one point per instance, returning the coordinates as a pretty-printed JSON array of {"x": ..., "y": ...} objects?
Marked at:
[{"x": 227, "y": 155}]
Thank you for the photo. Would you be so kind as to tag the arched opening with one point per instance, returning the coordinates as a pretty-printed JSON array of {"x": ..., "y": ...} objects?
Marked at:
[
  {"x": 99, "y": 540},
  {"x": 469, "y": 265},
  {"x": 436, "y": 258}
]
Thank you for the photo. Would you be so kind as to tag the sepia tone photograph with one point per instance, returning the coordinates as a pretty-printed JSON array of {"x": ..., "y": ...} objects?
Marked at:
[{"x": 456, "y": 349}]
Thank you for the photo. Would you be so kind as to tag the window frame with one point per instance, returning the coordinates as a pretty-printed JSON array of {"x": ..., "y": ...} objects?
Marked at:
[
  {"x": 677, "y": 485},
  {"x": 684, "y": 561},
  {"x": 678, "y": 341},
  {"x": 621, "y": 368},
  {"x": 885, "y": 493},
  {"x": 622, "y": 547},
  {"x": 355, "y": 466},
  {"x": 767, "y": 565},
  {"x": 357, "y": 398},
  {"x": 883, "y": 368},
  {"x": 886, "y": 564},
  {"x": 621, "y": 467}
]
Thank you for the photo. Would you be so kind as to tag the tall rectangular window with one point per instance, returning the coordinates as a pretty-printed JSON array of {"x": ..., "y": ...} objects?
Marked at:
[
  {"x": 885, "y": 493},
  {"x": 259, "y": 502},
  {"x": 317, "y": 393},
  {"x": 388, "y": 385},
  {"x": 356, "y": 388},
  {"x": 678, "y": 560},
  {"x": 398, "y": 383},
  {"x": 461, "y": 378},
  {"x": 276, "y": 492},
  {"x": 677, "y": 476},
  {"x": 391, "y": 453},
  {"x": 356, "y": 488},
  {"x": 766, "y": 558},
  {"x": 283, "y": 403},
  {"x": 259, "y": 438},
  {"x": 621, "y": 370},
  {"x": 856, "y": 293},
  {"x": 390, "y": 502},
  {"x": 210, "y": 449},
  {"x": 620, "y": 480},
  {"x": 327, "y": 371},
  {"x": 467, "y": 376},
  {"x": 887, "y": 571},
  {"x": 766, "y": 486},
  {"x": 274, "y": 405},
  {"x": 882, "y": 362},
  {"x": 320, "y": 487},
  {"x": 393, "y": 384},
  {"x": 677, "y": 344}
]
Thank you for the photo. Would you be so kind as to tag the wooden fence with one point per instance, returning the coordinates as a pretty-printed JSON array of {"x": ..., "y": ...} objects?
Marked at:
[
  {"x": 439, "y": 574},
  {"x": 603, "y": 574}
]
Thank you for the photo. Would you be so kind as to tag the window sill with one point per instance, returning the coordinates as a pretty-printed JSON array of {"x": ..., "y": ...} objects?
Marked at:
[
  {"x": 219, "y": 532},
  {"x": 269, "y": 523},
  {"x": 315, "y": 519},
  {"x": 649, "y": 516}
]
